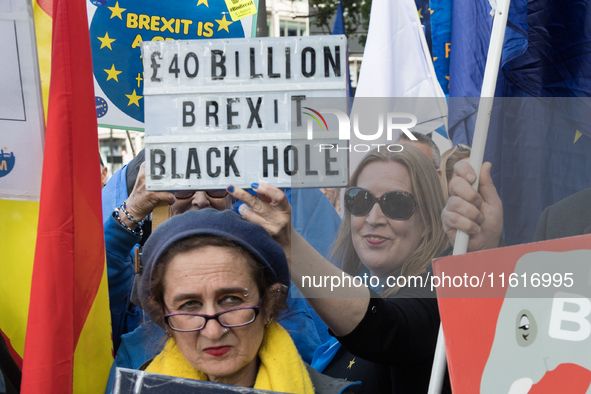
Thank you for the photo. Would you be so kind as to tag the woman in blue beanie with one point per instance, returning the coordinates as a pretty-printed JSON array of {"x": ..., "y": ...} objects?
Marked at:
[{"x": 215, "y": 282}]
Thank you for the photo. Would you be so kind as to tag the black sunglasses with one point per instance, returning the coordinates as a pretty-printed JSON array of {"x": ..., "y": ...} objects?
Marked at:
[
  {"x": 185, "y": 194},
  {"x": 397, "y": 205}
]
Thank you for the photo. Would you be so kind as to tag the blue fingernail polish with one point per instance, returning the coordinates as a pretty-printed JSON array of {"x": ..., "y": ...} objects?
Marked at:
[
  {"x": 231, "y": 189},
  {"x": 254, "y": 185}
]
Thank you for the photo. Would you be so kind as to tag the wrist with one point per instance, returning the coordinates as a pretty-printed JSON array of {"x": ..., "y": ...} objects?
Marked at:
[
  {"x": 135, "y": 219},
  {"x": 123, "y": 218},
  {"x": 120, "y": 217},
  {"x": 130, "y": 210}
]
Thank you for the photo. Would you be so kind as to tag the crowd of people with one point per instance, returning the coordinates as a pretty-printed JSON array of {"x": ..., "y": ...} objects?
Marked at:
[
  {"x": 218, "y": 292},
  {"x": 225, "y": 290}
]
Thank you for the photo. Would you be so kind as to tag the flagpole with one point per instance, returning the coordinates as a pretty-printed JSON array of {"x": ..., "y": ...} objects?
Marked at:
[{"x": 487, "y": 94}]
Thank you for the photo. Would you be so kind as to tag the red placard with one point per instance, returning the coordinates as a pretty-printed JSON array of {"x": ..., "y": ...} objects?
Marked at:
[{"x": 521, "y": 327}]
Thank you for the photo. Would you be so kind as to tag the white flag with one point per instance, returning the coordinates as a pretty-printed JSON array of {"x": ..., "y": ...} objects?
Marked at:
[{"x": 397, "y": 66}]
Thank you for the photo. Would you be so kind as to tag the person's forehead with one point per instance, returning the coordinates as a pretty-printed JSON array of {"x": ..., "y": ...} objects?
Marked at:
[
  {"x": 381, "y": 177},
  {"x": 227, "y": 266}
]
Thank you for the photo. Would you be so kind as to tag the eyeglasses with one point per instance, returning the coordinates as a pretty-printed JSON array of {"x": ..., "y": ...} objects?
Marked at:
[
  {"x": 397, "y": 205},
  {"x": 186, "y": 194},
  {"x": 186, "y": 322},
  {"x": 463, "y": 147}
]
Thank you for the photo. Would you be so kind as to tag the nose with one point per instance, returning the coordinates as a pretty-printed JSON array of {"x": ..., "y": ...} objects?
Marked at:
[
  {"x": 376, "y": 216},
  {"x": 213, "y": 330},
  {"x": 200, "y": 200}
]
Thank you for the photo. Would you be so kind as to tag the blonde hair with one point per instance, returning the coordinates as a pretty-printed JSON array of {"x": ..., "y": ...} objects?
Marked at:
[
  {"x": 427, "y": 192},
  {"x": 448, "y": 161}
]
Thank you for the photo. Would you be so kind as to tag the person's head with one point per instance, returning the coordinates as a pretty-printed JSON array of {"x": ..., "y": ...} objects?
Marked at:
[
  {"x": 104, "y": 173},
  {"x": 185, "y": 200},
  {"x": 448, "y": 161},
  {"x": 426, "y": 145},
  {"x": 195, "y": 200},
  {"x": 401, "y": 234},
  {"x": 207, "y": 262}
]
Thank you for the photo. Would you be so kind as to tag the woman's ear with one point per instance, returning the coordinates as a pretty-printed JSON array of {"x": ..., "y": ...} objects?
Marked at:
[
  {"x": 425, "y": 233},
  {"x": 276, "y": 295}
]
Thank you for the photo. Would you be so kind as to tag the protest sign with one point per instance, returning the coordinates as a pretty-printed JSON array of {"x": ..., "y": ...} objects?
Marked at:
[
  {"x": 129, "y": 381},
  {"x": 518, "y": 319},
  {"x": 117, "y": 29},
  {"x": 21, "y": 108},
  {"x": 230, "y": 111}
]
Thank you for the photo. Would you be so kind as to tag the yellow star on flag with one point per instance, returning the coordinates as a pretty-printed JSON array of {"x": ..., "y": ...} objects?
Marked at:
[
  {"x": 420, "y": 15},
  {"x": 133, "y": 98},
  {"x": 578, "y": 135},
  {"x": 116, "y": 11},
  {"x": 351, "y": 363},
  {"x": 202, "y": 2},
  {"x": 112, "y": 73},
  {"x": 106, "y": 41},
  {"x": 431, "y": 11},
  {"x": 223, "y": 24}
]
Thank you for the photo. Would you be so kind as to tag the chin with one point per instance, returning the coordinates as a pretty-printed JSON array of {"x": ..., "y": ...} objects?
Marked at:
[
  {"x": 380, "y": 269},
  {"x": 221, "y": 369}
]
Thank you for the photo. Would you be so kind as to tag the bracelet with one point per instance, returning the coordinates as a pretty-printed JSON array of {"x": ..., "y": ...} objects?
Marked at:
[
  {"x": 129, "y": 216},
  {"x": 138, "y": 230}
]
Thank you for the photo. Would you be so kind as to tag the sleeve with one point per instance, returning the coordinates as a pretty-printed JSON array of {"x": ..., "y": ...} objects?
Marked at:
[
  {"x": 540, "y": 234},
  {"x": 119, "y": 244},
  {"x": 298, "y": 321},
  {"x": 396, "y": 330}
]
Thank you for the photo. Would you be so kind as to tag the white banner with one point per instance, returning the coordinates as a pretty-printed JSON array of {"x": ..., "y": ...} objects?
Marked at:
[{"x": 21, "y": 107}]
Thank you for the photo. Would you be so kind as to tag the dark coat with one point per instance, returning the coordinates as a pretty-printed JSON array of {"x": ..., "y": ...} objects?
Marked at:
[{"x": 567, "y": 218}]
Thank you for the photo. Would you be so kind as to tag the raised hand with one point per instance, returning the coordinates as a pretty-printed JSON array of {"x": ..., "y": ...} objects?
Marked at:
[
  {"x": 142, "y": 201},
  {"x": 477, "y": 213},
  {"x": 271, "y": 210}
]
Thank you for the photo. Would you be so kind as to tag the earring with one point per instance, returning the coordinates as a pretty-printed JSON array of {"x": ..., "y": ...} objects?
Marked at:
[{"x": 269, "y": 320}]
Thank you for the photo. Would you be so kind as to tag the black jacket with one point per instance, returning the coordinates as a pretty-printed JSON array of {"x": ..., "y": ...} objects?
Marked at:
[
  {"x": 400, "y": 334},
  {"x": 568, "y": 217}
]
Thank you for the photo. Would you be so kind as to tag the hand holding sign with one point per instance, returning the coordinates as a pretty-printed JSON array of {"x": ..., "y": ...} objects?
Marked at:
[
  {"x": 271, "y": 210},
  {"x": 478, "y": 214},
  {"x": 141, "y": 201}
]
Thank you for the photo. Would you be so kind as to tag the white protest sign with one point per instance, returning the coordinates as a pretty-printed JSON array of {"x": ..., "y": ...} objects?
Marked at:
[
  {"x": 21, "y": 108},
  {"x": 117, "y": 29},
  {"x": 226, "y": 111}
]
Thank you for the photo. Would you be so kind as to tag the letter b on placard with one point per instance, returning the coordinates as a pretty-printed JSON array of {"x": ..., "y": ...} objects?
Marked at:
[{"x": 569, "y": 318}]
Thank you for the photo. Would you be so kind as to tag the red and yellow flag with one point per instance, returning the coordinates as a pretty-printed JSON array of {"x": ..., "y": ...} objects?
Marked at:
[{"x": 68, "y": 344}]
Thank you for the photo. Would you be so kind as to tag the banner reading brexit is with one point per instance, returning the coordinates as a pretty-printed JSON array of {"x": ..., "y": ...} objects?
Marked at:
[{"x": 117, "y": 30}]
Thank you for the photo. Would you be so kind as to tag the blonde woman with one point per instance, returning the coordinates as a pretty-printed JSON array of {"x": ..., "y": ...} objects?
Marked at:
[{"x": 392, "y": 230}]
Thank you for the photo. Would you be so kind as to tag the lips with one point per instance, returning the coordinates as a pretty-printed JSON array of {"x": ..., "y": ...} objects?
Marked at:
[
  {"x": 217, "y": 351},
  {"x": 374, "y": 239}
]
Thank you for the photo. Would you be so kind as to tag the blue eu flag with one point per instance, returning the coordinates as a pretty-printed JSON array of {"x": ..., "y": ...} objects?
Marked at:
[{"x": 540, "y": 135}]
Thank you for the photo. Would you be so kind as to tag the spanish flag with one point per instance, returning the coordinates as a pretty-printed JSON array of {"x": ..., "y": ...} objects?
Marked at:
[{"x": 68, "y": 347}]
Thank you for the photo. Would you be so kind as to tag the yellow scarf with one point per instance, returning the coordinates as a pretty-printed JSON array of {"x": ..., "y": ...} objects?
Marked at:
[{"x": 281, "y": 369}]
